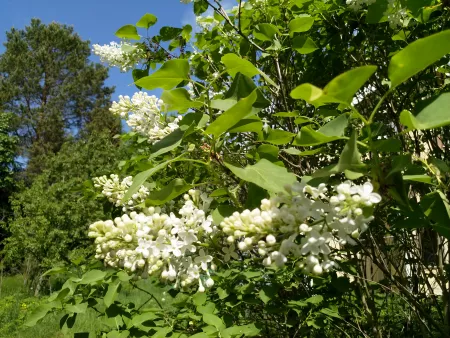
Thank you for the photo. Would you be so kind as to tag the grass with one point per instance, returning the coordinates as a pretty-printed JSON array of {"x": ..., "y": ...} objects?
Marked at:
[{"x": 17, "y": 302}]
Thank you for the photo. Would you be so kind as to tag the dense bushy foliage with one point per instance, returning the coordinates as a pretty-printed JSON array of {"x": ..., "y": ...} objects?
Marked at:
[{"x": 291, "y": 180}]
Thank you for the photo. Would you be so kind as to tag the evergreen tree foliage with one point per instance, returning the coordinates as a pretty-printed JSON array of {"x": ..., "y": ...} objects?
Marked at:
[{"x": 53, "y": 90}]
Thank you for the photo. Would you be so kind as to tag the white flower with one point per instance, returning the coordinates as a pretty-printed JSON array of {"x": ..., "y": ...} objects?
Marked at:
[{"x": 123, "y": 55}]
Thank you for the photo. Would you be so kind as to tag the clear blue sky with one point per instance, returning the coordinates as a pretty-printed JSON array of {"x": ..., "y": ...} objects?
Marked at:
[{"x": 95, "y": 20}]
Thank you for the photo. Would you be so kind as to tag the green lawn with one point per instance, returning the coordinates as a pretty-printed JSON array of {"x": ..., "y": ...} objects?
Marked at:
[{"x": 16, "y": 302}]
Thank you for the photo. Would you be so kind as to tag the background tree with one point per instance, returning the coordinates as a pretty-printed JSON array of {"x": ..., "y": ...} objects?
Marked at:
[
  {"x": 8, "y": 145},
  {"x": 54, "y": 91},
  {"x": 45, "y": 231}
]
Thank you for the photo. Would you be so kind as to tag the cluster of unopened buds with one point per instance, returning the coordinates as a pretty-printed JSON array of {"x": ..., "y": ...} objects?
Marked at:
[
  {"x": 122, "y": 55},
  {"x": 305, "y": 223},
  {"x": 114, "y": 189},
  {"x": 143, "y": 114},
  {"x": 160, "y": 244}
]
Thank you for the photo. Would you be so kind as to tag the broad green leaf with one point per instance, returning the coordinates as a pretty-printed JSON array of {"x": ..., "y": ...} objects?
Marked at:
[
  {"x": 200, "y": 335},
  {"x": 174, "y": 189},
  {"x": 213, "y": 320},
  {"x": 304, "y": 44},
  {"x": 234, "y": 64},
  {"x": 286, "y": 114},
  {"x": 265, "y": 31},
  {"x": 92, "y": 277},
  {"x": 147, "y": 21},
  {"x": 221, "y": 212},
  {"x": 168, "y": 33},
  {"x": 301, "y": 24},
  {"x": 199, "y": 298},
  {"x": 139, "y": 74},
  {"x": 170, "y": 74},
  {"x": 335, "y": 127},
  {"x": 112, "y": 293},
  {"x": 269, "y": 152},
  {"x": 391, "y": 145},
  {"x": 38, "y": 314},
  {"x": 331, "y": 313},
  {"x": 310, "y": 137},
  {"x": 417, "y": 56},
  {"x": 55, "y": 271},
  {"x": 250, "y": 124},
  {"x": 344, "y": 87},
  {"x": 59, "y": 295},
  {"x": 77, "y": 308},
  {"x": 200, "y": 7},
  {"x": 436, "y": 114},
  {"x": 128, "y": 32},
  {"x": 375, "y": 12},
  {"x": 249, "y": 330},
  {"x": 243, "y": 86},
  {"x": 143, "y": 317},
  {"x": 232, "y": 116},
  {"x": 437, "y": 208},
  {"x": 179, "y": 99},
  {"x": 140, "y": 178},
  {"x": 341, "y": 89},
  {"x": 162, "y": 332},
  {"x": 302, "y": 119},
  {"x": 350, "y": 159},
  {"x": 265, "y": 174},
  {"x": 118, "y": 334},
  {"x": 168, "y": 143},
  {"x": 294, "y": 151},
  {"x": 314, "y": 299},
  {"x": 418, "y": 178},
  {"x": 278, "y": 137}
]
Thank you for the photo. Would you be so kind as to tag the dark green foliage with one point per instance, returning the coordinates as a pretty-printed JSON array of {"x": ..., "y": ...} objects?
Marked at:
[
  {"x": 47, "y": 82},
  {"x": 51, "y": 217}
]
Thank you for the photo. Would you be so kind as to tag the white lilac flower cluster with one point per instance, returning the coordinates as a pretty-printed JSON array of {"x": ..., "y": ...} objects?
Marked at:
[
  {"x": 304, "y": 223},
  {"x": 396, "y": 14},
  {"x": 122, "y": 55},
  {"x": 114, "y": 189},
  {"x": 159, "y": 244},
  {"x": 143, "y": 113},
  {"x": 356, "y": 5}
]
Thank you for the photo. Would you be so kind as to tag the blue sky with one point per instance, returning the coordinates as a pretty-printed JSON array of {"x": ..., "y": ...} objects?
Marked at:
[{"x": 95, "y": 20}]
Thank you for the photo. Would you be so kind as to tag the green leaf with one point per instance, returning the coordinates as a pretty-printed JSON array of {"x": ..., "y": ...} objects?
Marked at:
[
  {"x": 265, "y": 31},
  {"x": 162, "y": 332},
  {"x": 117, "y": 334},
  {"x": 265, "y": 174},
  {"x": 147, "y": 21},
  {"x": 168, "y": 33},
  {"x": 375, "y": 12},
  {"x": 286, "y": 114},
  {"x": 249, "y": 330},
  {"x": 350, "y": 159},
  {"x": 232, "y": 116},
  {"x": 213, "y": 320},
  {"x": 418, "y": 178},
  {"x": 434, "y": 115},
  {"x": 417, "y": 56},
  {"x": 55, "y": 271},
  {"x": 38, "y": 314},
  {"x": 174, "y": 189},
  {"x": 269, "y": 152},
  {"x": 140, "y": 178},
  {"x": 179, "y": 99},
  {"x": 278, "y": 137},
  {"x": 339, "y": 90},
  {"x": 59, "y": 295},
  {"x": 77, "y": 308},
  {"x": 142, "y": 318},
  {"x": 391, "y": 145},
  {"x": 250, "y": 124},
  {"x": 304, "y": 44},
  {"x": 314, "y": 299},
  {"x": 92, "y": 277},
  {"x": 221, "y": 212},
  {"x": 294, "y": 151},
  {"x": 200, "y": 335},
  {"x": 170, "y": 74},
  {"x": 200, "y": 7},
  {"x": 234, "y": 64},
  {"x": 330, "y": 313},
  {"x": 199, "y": 298},
  {"x": 128, "y": 32},
  {"x": 301, "y": 24},
  {"x": 437, "y": 208},
  {"x": 242, "y": 87},
  {"x": 112, "y": 292},
  {"x": 335, "y": 127},
  {"x": 344, "y": 87}
]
